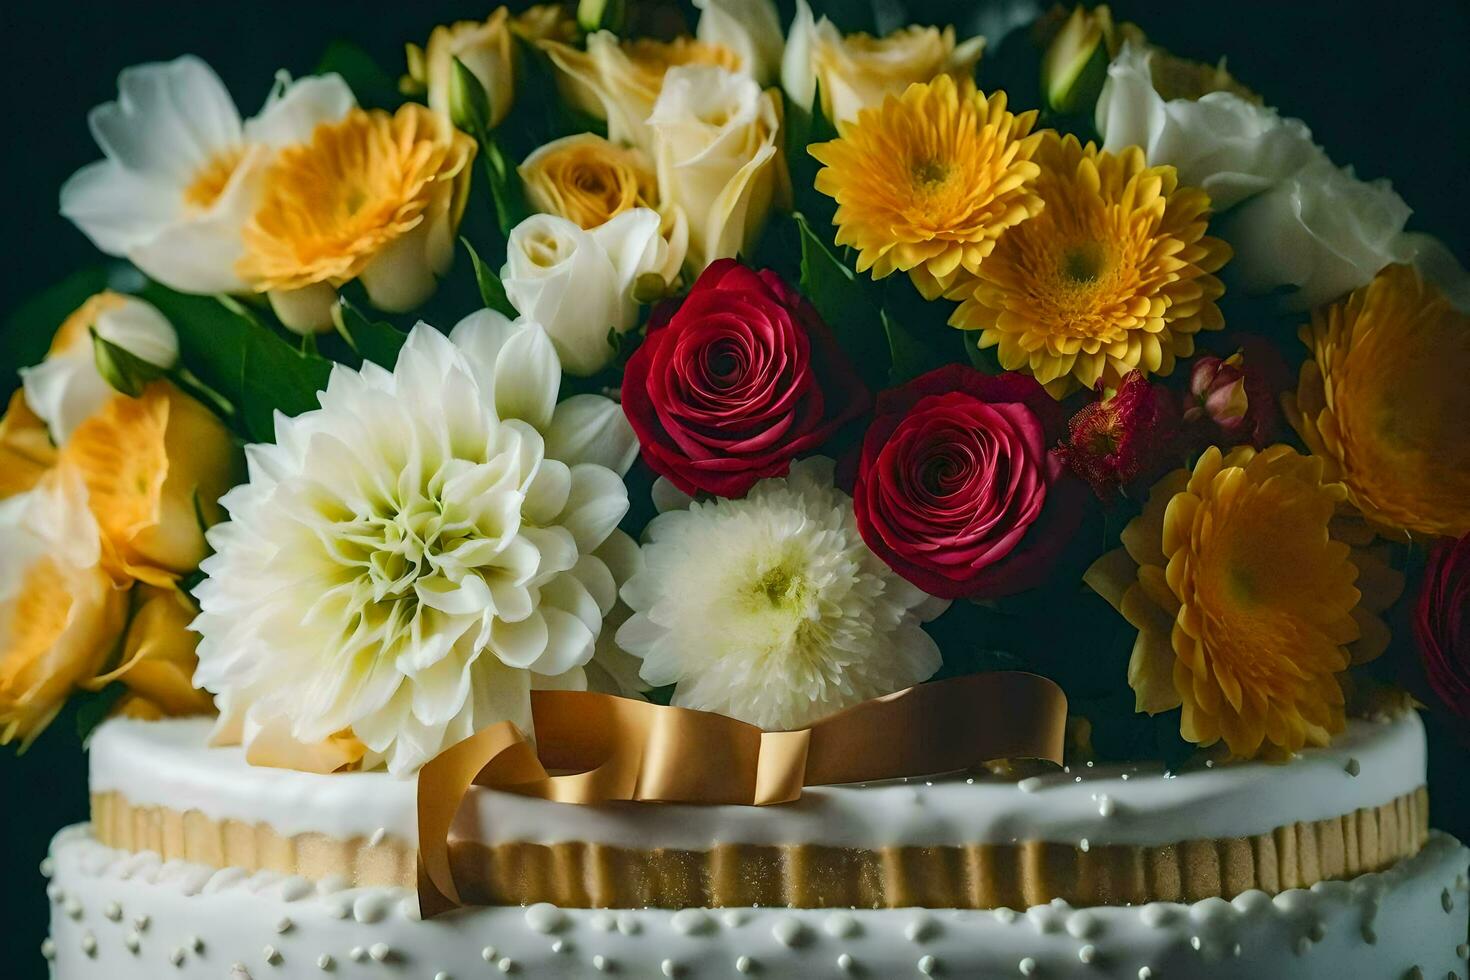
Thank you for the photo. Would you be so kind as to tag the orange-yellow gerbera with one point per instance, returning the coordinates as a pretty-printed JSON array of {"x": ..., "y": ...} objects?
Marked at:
[
  {"x": 1385, "y": 401},
  {"x": 374, "y": 196},
  {"x": 926, "y": 182},
  {"x": 1113, "y": 275},
  {"x": 152, "y": 466},
  {"x": 1247, "y": 601}
]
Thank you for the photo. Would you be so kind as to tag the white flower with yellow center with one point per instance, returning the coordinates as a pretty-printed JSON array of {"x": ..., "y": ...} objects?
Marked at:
[
  {"x": 407, "y": 560},
  {"x": 771, "y": 609},
  {"x": 181, "y": 170}
]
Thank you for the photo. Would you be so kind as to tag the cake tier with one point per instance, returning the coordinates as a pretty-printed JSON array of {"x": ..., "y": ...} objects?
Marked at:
[
  {"x": 1096, "y": 836},
  {"x": 120, "y": 916}
]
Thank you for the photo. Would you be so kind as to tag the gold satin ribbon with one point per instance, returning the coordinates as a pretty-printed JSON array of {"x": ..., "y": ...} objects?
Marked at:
[{"x": 607, "y": 748}]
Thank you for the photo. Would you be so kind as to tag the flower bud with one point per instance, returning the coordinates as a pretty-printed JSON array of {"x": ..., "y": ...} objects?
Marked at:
[
  {"x": 1075, "y": 64},
  {"x": 469, "y": 106},
  {"x": 124, "y": 371},
  {"x": 1235, "y": 396}
]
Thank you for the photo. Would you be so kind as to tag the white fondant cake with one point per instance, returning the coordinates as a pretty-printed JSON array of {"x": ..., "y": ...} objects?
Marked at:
[{"x": 120, "y": 915}]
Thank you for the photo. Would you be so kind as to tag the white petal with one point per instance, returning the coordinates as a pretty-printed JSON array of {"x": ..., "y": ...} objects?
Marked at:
[
  {"x": 116, "y": 208},
  {"x": 568, "y": 644},
  {"x": 480, "y": 336},
  {"x": 599, "y": 499},
  {"x": 291, "y": 114},
  {"x": 170, "y": 119},
  {"x": 589, "y": 428},
  {"x": 527, "y": 377}
]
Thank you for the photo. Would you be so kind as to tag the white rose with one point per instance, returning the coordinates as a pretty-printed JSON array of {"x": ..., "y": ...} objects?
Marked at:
[
  {"x": 858, "y": 71},
  {"x": 1230, "y": 147},
  {"x": 750, "y": 28},
  {"x": 1321, "y": 230},
  {"x": 66, "y": 387},
  {"x": 579, "y": 284},
  {"x": 715, "y": 153}
]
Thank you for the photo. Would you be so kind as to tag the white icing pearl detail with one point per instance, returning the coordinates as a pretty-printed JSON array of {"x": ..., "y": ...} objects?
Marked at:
[
  {"x": 918, "y": 930},
  {"x": 788, "y": 931},
  {"x": 1105, "y": 805},
  {"x": 1446, "y": 900},
  {"x": 1030, "y": 784},
  {"x": 506, "y": 964},
  {"x": 377, "y": 837},
  {"x": 927, "y": 965},
  {"x": 89, "y": 944},
  {"x": 72, "y": 907},
  {"x": 669, "y": 968},
  {"x": 1082, "y": 925},
  {"x": 1028, "y": 967},
  {"x": 744, "y": 964},
  {"x": 176, "y": 956},
  {"x": 284, "y": 925},
  {"x": 488, "y": 954},
  {"x": 441, "y": 975},
  {"x": 48, "y": 867},
  {"x": 272, "y": 955},
  {"x": 844, "y": 962},
  {"x": 370, "y": 908},
  {"x": 560, "y": 946},
  {"x": 734, "y": 918},
  {"x": 1156, "y": 915},
  {"x": 603, "y": 921},
  {"x": 1353, "y": 767},
  {"x": 131, "y": 942},
  {"x": 628, "y": 925},
  {"x": 1087, "y": 954},
  {"x": 48, "y": 948},
  {"x": 1144, "y": 973},
  {"x": 113, "y": 911},
  {"x": 324, "y": 961},
  {"x": 1084, "y": 845},
  {"x": 55, "y": 892},
  {"x": 358, "y": 954},
  {"x": 380, "y": 952},
  {"x": 691, "y": 922},
  {"x": 601, "y": 963},
  {"x": 545, "y": 917},
  {"x": 1005, "y": 915},
  {"x": 841, "y": 925}
]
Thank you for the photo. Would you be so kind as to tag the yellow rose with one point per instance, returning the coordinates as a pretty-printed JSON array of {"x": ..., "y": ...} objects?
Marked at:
[
  {"x": 60, "y": 614},
  {"x": 620, "y": 81},
  {"x": 587, "y": 179},
  {"x": 716, "y": 139},
  {"x": 157, "y": 662},
  {"x": 152, "y": 466},
  {"x": 857, "y": 71},
  {"x": 26, "y": 452}
]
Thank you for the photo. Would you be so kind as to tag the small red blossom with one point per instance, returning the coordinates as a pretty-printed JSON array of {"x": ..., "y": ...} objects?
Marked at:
[{"x": 1127, "y": 441}]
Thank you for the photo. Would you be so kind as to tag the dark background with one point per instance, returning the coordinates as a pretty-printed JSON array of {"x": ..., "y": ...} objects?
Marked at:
[{"x": 1388, "y": 92}]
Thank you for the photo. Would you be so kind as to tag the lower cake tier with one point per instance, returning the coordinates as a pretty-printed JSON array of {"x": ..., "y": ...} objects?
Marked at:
[{"x": 132, "y": 916}]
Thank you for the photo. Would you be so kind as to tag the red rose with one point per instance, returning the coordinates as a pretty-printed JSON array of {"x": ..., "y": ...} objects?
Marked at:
[
  {"x": 957, "y": 489},
  {"x": 1126, "y": 441},
  {"x": 1442, "y": 624},
  {"x": 739, "y": 381}
]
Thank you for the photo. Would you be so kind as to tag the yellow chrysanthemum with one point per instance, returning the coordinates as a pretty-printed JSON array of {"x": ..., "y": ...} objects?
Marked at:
[
  {"x": 1384, "y": 400},
  {"x": 1113, "y": 275},
  {"x": 330, "y": 206},
  {"x": 1247, "y": 600},
  {"x": 926, "y": 183}
]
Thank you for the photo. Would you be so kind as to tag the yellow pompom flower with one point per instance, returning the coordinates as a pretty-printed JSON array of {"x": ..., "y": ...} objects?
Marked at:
[
  {"x": 1248, "y": 601},
  {"x": 1384, "y": 401},
  {"x": 588, "y": 180},
  {"x": 376, "y": 196},
  {"x": 926, "y": 182},
  {"x": 1113, "y": 275}
]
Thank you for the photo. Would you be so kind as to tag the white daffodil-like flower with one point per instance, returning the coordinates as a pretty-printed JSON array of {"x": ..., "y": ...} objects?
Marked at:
[
  {"x": 181, "y": 170},
  {"x": 409, "y": 560},
  {"x": 771, "y": 609}
]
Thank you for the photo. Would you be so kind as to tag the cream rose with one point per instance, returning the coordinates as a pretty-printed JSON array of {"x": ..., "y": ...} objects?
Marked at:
[
  {"x": 67, "y": 387},
  {"x": 716, "y": 153},
  {"x": 620, "y": 81},
  {"x": 60, "y": 614},
  {"x": 578, "y": 284},
  {"x": 857, "y": 71},
  {"x": 587, "y": 179},
  {"x": 750, "y": 28},
  {"x": 487, "y": 48}
]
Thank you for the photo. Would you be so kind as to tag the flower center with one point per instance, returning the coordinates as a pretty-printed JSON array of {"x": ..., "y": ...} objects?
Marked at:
[
  {"x": 1083, "y": 263},
  {"x": 783, "y": 586},
  {"x": 930, "y": 173},
  {"x": 211, "y": 179}
]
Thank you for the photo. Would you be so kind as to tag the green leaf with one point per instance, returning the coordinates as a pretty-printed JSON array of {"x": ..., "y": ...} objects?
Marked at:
[
  {"x": 847, "y": 305},
  {"x": 469, "y": 103},
  {"x": 250, "y": 365},
  {"x": 491, "y": 290},
  {"x": 505, "y": 185},
  {"x": 374, "y": 87},
  {"x": 373, "y": 340},
  {"x": 122, "y": 369},
  {"x": 805, "y": 127},
  {"x": 93, "y": 708},
  {"x": 601, "y": 15},
  {"x": 909, "y": 354}
]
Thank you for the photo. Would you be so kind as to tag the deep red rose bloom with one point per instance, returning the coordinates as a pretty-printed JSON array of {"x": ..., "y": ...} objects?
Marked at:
[
  {"x": 1126, "y": 441},
  {"x": 739, "y": 381},
  {"x": 957, "y": 487},
  {"x": 1442, "y": 624}
]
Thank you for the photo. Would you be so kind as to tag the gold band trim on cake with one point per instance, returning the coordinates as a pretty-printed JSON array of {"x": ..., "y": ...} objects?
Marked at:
[{"x": 585, "y": 875}]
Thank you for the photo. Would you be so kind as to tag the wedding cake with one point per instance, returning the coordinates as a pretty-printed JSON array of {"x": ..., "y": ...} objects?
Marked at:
[{"x": 823, "y": 528}]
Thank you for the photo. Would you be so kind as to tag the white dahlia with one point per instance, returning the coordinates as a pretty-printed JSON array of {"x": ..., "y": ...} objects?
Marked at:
[
  {"x": 771, "y": 609},
  {"x": 409, "y": 560}
]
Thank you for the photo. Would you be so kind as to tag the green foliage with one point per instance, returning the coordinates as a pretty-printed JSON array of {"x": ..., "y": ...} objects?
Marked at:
[
  {"x": 251, "y": 365},
  {"x": 92, "y": 708},
  {"x": 492, "y": 292},
  {"x": 373, "y": 86},
  {"x": 848, "y": 304},
  {"x": 371, "y": 340}
]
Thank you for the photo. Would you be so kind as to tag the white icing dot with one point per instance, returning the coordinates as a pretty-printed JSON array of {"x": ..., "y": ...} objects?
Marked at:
[
  {"x": 284, "y": 925},
  {"x": 73, "y": 908},
  {"x": 378, "y": 836},
  {"x": 1353, "y": 767},
  {"x": 273, "y": 955},
  {"x": 441, "y": 975},
  {"x": 1195, "y": 943},
  {"x": 1446, "y": 901},
  {"x": 788, "y": 931},
  {"x": 918, "y": 930},
  {"x": 734, "y": 918},
  {"x": 132, "y": 942},
  {"x": 844, "y": 962},
  {"x": 488, "y": 954},
  {"x": 601, "y": 963},
  {"x": 371, "y": 907},
  {"x": 358, "y": 954},
  {"x": 545, "y": 917},
  {"x": 927, "y": 965},
  {"x": 628, "y": 925},
  {"x": 506, "y": 964},
  {"x": 603, "y": 921},
  {"x": 1156, "y": 915},
  {"x": 691, "y": 922},
  {"x": 1124, "y": 777},
  {"x": 1005, "y": 916},
  {"x": 48, "y": 867},
  {"x": 1105, "y": 805},
  {"x": 1082, "y": 925},
  {"x": 1463, "y": 951},
  {"x": 669, "y": 968},
  {"x": 1144, "y": 973},
  {"x": 1030, "y": 784},
  {"x": 55, "y": 892},
  {"x": 380, "y": 952},
  {"x": 744, "y": 964},
  {"x": 1087, "y": 954},
  {"x": 324, "y": 961},
  {"x": 295, "y": 888},
  {"x": 176, "y": 957},
  {"x": 841, "y": 925},
  {"x": 1028, "y": 967},
  {"x": 48, "y": 948},
  {"x": 89, "y": 944},
  {"x": 1084, "y": 845},
  {"x": 113, "y": 911},
  {"x": 970, "y": 781}
]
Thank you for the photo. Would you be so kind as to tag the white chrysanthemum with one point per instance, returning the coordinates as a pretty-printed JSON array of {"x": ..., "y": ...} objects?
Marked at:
[
  {"x": 771, "y": 609},
  {"x": 181, "y": 171},
  {"x": 409, "y": 560}
]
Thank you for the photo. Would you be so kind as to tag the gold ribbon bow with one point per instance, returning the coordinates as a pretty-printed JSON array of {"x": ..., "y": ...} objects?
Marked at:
[{"x": 610, "y": 748}]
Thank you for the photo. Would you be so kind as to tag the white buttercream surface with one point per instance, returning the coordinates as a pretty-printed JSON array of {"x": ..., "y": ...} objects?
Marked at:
[{"x": 1372, "y": 763}]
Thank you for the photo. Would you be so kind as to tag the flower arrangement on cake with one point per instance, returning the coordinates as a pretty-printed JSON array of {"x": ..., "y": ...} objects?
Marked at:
[{"x": 608, "y": 412}]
